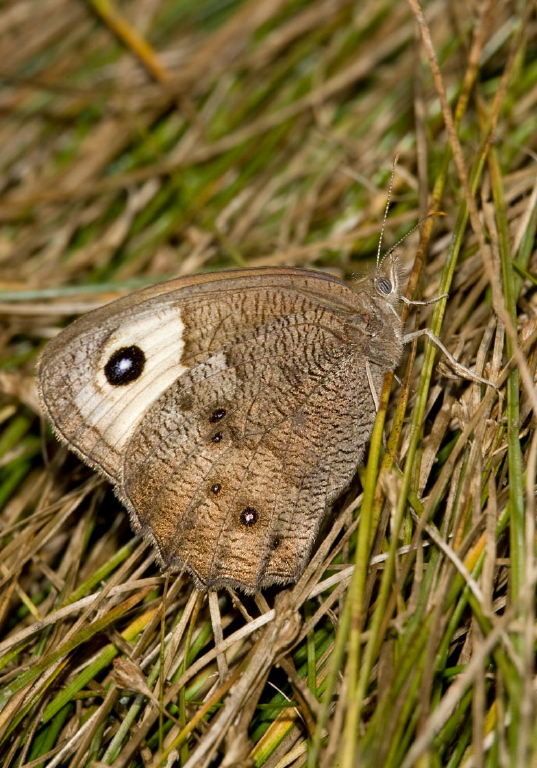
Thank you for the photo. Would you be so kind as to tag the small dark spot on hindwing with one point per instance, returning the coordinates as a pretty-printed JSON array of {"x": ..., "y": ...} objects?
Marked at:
[{"x": 217, "y": 414}]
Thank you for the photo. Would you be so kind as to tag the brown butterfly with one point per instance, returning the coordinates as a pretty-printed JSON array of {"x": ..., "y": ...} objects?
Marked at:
[{"x": 228, "y": 409}]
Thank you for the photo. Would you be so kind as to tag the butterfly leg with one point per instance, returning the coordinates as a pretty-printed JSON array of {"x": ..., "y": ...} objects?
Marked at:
[
  {"x": 372, "y": 385},
  {"x": 462, "y": 370},
  {"x": 414, "y": 303}
]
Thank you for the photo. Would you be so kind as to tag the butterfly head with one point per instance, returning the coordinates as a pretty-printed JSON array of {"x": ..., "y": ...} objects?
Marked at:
[
  {"x": 387, "y": 278},
  {"x": 383, "y": 285}
]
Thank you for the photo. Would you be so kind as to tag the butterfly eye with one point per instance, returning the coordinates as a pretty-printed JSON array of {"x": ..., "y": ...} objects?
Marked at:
[
  {"x": 124, "y": 366},
  {"x": 249, "y": 516},
  {"x": 384, "y": 285},
  {"x": 216, "y": 488}
]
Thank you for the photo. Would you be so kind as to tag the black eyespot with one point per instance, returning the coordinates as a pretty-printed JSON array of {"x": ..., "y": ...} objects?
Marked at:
[
  {"x": 249, "y": 516},
  {"x": 218, "y": 414},
  {"x": 276, "y": 543},
  {"x": 216, "y": 438},
  {"x": 216, "y": 488},
  {"x": 384, "y": 285},
  {"x": 124, "y": 365}
]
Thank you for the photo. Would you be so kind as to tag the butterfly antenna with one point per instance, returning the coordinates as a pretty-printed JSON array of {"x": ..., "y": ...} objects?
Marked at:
[
  {"x": 388, "y": 201},
  {"x": 414, "y": 228}
]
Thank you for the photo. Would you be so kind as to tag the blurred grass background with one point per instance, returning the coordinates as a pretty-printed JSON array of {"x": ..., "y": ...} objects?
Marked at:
[{"x": 146, "y": 139}]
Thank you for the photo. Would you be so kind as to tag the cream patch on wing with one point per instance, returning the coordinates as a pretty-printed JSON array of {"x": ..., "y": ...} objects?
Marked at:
[{"x": 114, "y": 411}]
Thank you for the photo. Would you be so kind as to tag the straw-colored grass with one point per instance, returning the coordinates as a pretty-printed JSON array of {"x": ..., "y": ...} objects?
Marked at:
[{"x": 148, "y": 139}]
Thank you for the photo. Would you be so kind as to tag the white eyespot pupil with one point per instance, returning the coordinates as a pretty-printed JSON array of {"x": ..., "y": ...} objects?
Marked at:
[
  {"x": 249, "y": 516},
  {"x": 123, "y": 365}
]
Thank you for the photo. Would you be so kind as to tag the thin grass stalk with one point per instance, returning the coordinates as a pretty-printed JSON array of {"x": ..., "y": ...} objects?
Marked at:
[
  {"x": 355, "y": 697},
  {"x": 517, "y": 525}
]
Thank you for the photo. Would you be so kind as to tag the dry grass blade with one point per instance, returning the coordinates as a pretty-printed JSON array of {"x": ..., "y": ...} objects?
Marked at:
[{"x": 157, "y": 138}]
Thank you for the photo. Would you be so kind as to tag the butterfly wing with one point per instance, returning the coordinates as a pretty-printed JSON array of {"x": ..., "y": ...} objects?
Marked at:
[
  {"x": 96, "y": 417},
  {"x": 247, "y": 412}
]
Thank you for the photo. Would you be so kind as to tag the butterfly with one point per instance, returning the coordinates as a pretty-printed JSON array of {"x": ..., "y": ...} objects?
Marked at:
[{"x": 229, "y": 409}]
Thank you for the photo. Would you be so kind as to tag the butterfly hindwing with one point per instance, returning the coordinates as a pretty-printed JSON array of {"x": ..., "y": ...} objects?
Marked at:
[{"x": 234, "y": 486}]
